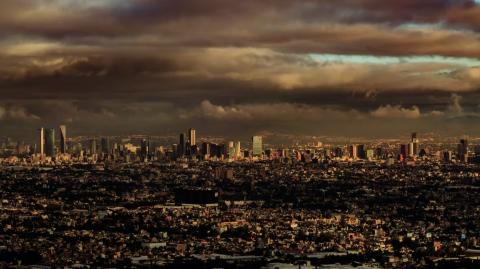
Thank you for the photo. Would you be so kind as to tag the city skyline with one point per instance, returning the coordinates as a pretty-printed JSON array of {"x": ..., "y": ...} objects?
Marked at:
[
  {"x": 145, "y": 149},
  {"x": 247, "y": 134},
  {"x": 362, "y": 68},
  {"x": 190, "y": 135}
]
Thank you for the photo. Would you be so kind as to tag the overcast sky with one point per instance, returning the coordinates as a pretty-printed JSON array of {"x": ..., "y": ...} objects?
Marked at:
[{"x": 235, "y": 68}]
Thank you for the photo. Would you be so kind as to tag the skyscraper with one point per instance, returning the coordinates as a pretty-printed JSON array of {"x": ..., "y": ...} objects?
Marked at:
[
  {"x": 361, "y": 152},
  {"x": 231, "y": 150},
  {"x": 463, "y": 150},
  {"x": 41, "y": 142},
  {"x": 353, "y": 151},
  {"x": 144, "y": 149},
  {"x": 411, "y": 149},
  {"x": 50, "y": 142},
  {"x": 192, "y": 137},
  {"x": 206, "y": 149},
  {"x": 182, "y": 146},
  {"x": 257, "y": 146},
  {"x": 415, "y": 144},
  {"x": 403, "y": 151},
  {"x": 105, "y": 145},
  {"x": 238, "y": 152},
  {"x": 63, "y": 139},
  {"x": 93, "y": 146}
]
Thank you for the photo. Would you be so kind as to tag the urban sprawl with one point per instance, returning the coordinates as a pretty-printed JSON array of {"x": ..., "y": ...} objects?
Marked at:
[{"x": 138, "y": 202}]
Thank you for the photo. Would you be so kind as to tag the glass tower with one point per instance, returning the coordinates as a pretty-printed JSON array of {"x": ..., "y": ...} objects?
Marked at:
[
  {"x": 63, "y": 139},
  {"x": 257, "y": 147},
  {"x": 50, "y": 142}
]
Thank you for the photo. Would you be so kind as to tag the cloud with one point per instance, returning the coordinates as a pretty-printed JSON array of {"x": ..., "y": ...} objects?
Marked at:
[
  {"x": 455, "y": 108},
  {"x": 269, "y": 112},
  {"x": 389, "y": 111},
  {"x": 16, "y": 113},
  {"x": 107, "y": 66},
  {"x": 210, "y": 110}
]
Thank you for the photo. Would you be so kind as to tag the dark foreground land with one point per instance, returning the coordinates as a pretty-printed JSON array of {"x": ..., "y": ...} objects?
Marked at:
[{"x": 241, "y": 215}]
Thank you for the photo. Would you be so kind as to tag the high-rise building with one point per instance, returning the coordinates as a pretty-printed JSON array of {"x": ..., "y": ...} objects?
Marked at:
[
  {"x": 105, "y": 145},
  {"x": 41, "y": 142},
  {"x": 192, "y": 137},
  {"x": 361, "y": 152},
  {"x": 231, "y": 150},
  {"x": 238, "y": 151},
  {"x": 182, "y": 146},
  {"x": 415, "y": 145},
  {"x": 63, "y": 139},
  {"x": 403, "y": 151},
  {"x": 144, "y": 149},
  {"x": 353, "y": 151},
  {"x": 50, "y": 142},
  {"x": 463, "y": 150},
  {"x": 93, "y": 146},
  {"x": 206, "y": 148},
  {"x": 411, "y": 149},
  {"x": 257, "y": 146}
]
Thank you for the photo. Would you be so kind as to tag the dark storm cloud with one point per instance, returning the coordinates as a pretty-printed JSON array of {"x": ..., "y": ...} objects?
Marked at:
[{"x": 275, "y": 65}]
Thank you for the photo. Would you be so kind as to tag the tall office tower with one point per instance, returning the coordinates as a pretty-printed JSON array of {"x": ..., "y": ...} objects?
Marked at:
[
  {"x": 257, "y": 146},
  {"x": 214, "y": 150},
  {"x": 41, "y": 142},
  {"x": 463, "y": 150},
  {"x": 50, "y": 142},
  {"x": 411, "y": 149},
  {"x": 63, "y": 139},
  {"x": 144, "y": 149},
  {"x": 238, "y": 151},
  {"x": 361, "y": 152},
  {"x": 105, "y": 145},
  {"x": 192, "y": 137},
  {"x": 182, "y": 146},
  {"x": 464, "y": 145},
  {"x": 403, "y": 151},
  {"x": 415, "y": 143},
  {"x": 93, "y": 146},
  {"x": 353, "y": 151},
  {"x": 231, "y": 150},
  {"x": 206, "y": 148}
]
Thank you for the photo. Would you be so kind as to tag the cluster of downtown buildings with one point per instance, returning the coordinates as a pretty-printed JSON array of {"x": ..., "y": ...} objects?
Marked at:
[{"x": 53, "y": 149}]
